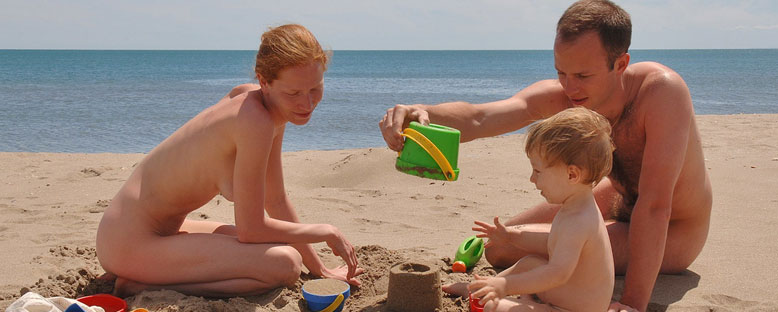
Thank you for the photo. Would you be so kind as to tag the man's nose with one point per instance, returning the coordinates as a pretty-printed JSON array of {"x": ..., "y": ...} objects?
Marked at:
[{"x": 571, "y": 86}]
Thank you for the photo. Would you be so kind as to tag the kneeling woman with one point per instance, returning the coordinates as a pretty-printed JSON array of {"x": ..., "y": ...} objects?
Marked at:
[{"x": 232, "y": 148}]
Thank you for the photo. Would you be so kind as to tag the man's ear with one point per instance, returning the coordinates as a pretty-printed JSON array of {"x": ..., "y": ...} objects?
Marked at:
[
  {"x": 574, "y": 174},
  {"x": 621, "y": 62}
]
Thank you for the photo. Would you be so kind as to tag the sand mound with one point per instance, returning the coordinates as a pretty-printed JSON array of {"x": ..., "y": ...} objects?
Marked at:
[{"x": 370, "y": 296}]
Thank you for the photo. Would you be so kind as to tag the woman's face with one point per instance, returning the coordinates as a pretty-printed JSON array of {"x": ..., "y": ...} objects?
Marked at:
[{"x": 296, "y": 92}]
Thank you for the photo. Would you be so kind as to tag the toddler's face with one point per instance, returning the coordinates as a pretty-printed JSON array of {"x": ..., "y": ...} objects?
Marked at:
[{"x": 552, "y": 181}]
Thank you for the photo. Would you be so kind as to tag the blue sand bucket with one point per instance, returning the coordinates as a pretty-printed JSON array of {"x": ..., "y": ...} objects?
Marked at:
[{"x": 332, "y": 302}]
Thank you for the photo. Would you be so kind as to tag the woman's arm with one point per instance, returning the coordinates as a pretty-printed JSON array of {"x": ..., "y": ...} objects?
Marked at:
[{"x": 278, "y": 206}]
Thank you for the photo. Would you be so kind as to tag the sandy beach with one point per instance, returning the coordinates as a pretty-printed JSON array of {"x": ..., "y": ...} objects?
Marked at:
[{"x": 51, "y": 204}]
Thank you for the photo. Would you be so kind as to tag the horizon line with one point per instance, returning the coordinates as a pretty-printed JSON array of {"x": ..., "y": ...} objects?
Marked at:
[{"x": 365, "y": 50}]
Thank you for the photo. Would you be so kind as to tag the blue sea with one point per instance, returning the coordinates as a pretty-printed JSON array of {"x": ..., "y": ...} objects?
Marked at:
[{"x": 90, "y": 101}]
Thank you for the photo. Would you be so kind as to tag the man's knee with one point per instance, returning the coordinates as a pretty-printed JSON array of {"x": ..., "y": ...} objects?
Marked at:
[
  {"x": 500, "y": 257},
  {"x": 288, "y": 265},
  {"x": 676, "y": 264}
]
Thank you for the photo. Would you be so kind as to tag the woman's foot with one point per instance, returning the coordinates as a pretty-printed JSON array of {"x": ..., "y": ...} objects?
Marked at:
[{"x": 124, "y": 288}]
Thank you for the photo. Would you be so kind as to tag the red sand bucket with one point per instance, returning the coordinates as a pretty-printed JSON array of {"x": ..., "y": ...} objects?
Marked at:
[
  {"x": 107, "y": 302},
  {"x": 474, "y": 305}
]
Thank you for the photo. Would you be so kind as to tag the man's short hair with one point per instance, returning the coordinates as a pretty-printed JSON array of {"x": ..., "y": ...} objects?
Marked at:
[
  {"x": 575, "y": 136},
  {"x": 610, "y": 21}
]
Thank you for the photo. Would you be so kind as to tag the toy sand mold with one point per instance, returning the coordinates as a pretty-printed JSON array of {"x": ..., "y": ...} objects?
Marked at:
[
  {"x": 414, "y": 287},
  {"x": 430, "y": 152}
]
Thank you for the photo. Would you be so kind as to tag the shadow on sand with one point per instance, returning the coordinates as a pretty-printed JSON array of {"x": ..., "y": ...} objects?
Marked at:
[{"x": 667, "y": 290}]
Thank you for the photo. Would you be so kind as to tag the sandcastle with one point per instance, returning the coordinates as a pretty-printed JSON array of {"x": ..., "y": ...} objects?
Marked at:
[{"x": 414, "y": 287}]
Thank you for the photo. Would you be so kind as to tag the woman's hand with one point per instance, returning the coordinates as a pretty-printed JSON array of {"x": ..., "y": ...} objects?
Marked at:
[
  {"x": 341, "y": 273},
  {"x": 342, "y": 248},
  {"x": 620, "y": 307}
]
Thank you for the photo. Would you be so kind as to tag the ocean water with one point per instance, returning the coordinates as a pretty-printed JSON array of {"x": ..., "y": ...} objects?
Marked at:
[{"x": 128, "y": 101}]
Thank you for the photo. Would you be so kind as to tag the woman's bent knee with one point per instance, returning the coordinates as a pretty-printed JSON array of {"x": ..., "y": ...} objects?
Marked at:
[{"x": 287, "y": 264}]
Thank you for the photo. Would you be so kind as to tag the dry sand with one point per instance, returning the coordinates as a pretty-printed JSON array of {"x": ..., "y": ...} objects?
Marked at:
[{"x": 51, "y": 205}]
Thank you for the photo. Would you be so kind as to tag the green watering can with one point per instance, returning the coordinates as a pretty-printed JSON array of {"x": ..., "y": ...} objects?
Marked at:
[
  {"x": 430, "y": 152},
  {"x": 468, "y": 254}
]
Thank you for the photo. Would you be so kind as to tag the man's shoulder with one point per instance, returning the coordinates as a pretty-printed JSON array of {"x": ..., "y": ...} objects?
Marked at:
[
  {"x": 653, "y": 75},
  {"x": 659, "y": 90}
]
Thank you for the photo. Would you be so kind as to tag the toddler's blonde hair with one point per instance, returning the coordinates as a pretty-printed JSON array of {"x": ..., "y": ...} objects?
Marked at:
[{"x": 575, "y": 136}]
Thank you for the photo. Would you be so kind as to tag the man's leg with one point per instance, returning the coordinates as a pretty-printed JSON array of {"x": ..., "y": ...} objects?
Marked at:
[
  {"x": 685, "y": 239},
  {"x": 537, "y": 220}
]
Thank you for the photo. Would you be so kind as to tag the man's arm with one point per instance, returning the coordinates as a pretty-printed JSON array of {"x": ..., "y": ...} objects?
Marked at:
[
  {"x": 667, "y": 124},
  {"x": 538, "y": 101}
]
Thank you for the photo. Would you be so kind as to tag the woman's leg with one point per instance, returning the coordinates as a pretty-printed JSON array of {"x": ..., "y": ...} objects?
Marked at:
[{"x": 204, "y": 259}]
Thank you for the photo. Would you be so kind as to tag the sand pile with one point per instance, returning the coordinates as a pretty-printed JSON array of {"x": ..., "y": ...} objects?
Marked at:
[{"x": 370, "y": 296}]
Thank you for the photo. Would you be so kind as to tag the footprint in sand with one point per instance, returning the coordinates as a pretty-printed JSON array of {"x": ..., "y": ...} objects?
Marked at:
[
  {"x": 367, "y": 192},
  {"x": 99, "y": 206},
  {"x": 351, "y": 205},
  {"x": 341, "y": 162},
  {"x": 91, "y": 172},
  {"x": 735, "y": 304},
  {"x": 369, "y": 221}
]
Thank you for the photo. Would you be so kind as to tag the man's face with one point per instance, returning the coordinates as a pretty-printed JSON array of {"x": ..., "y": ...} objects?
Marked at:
[{"x": 584, "y": 72}]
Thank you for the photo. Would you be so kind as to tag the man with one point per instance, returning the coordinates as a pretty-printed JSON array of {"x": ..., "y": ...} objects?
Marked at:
[{"x": 658, "y": 198}]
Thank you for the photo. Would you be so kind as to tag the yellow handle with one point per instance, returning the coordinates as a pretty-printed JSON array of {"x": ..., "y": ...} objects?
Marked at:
[
  {"x": 334, "y": 305},
  {"x": 433, "y": 150}
]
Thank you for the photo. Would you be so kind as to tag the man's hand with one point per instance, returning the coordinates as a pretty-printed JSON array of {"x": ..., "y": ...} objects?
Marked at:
[
  {"x": 396, "y": 119},
  {"x": 619, "y": 307}
]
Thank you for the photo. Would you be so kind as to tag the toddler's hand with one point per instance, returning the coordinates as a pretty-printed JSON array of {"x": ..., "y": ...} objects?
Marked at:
[
  {"x": 487, "y": 288},
  {"x": 497, "y": 234}
]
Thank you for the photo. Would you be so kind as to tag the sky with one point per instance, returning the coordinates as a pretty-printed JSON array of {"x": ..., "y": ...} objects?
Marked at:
[{"x": 371, "y": 24}]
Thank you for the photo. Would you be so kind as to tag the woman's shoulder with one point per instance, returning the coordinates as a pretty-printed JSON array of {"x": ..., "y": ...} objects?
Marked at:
[
  {"x": 241, "y": 89},
  {"x": 246, "y": 106}
]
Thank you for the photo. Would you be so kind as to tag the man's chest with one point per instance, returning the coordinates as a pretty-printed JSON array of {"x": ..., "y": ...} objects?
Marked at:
[{"x": 629, "y": 137}]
